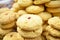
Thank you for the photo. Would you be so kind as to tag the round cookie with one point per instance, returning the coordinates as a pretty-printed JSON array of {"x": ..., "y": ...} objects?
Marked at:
[
  {"x": 49, "y": 37},
  {"x": 4, "y": 32},
  {"x": 30, "y": 34},
  {"x": 29, "y": 22},
  {"x": 53, "y": 4},
  {"x": 37, "y": 38},
  {"x": 25, "y": 3},
  {"x": 4, "y": 10},
  {"x": 54, "y": 22},
  {"x": 43, "y": 15},
  {"x": 8, "y": 26},
  {"x": 53, "y": 10},
  {"x": 13, "y": 36},
  {"x": 35, "y": 9},
  {"x": 7, "y": 17},
  {"x": 56, "y": 14},
  {"x": 21, "y": 12},
  {"x": 16, "y": 7},
  {"x": 40, "y": 1},
  {"x": 53, "y": 31}
]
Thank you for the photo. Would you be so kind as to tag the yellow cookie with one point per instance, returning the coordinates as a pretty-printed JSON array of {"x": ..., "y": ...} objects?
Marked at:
[
  {"x": 41, "y": 1},
  {"x": 53, "y": 10},
  {"x": 53, "y": 4},
  {"x": 8, "y": 26},
  {"x": 13, "y": 36},
  {"x": 30, "y": 34},
  {"x": 35, "y": 9},
  {"x": 37, "y": 38},
  {"x": 7, "y": 17},
  {"x": 54, "y": 22},
  {"x": 53, "y": 31},
  {"x": 4, "y": 10},
  {"x": 25, "y": 3},
  {"x": 21, "y": 12},
  {"x": 29, "y": 22},
  {"x": 43, "y": 15}
]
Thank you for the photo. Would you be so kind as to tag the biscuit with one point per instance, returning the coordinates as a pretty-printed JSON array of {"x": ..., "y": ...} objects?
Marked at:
[
  {"x": 54, "y": 22},
  {"x": 8, "y": 26},
  {"x": 53, "y": 10},
  {"x": 30, "y": 34},
  {"x": 16, "y": 7},
  {"x": 7, "y": 17},
  {"x": 53, "y": 31},
  {"x": 29, "y": 22},
  {"x": 35, "y": 9},
  {"x": 4, "y": 32},
  {"x": 4, "y": 10},
  {"x": 49, "y": 37},
  {"x": 37, "y": 38},
  {"x": 53, "y": 4},
  {"x": 56, "y": 14},
  {"x": 43, "y": 15},
  {"x": 41, "y": 1},
  {"x": 21, "y": 12},
  {"x": 25, "y": 3},
  {"x": 13, "y": 36}
]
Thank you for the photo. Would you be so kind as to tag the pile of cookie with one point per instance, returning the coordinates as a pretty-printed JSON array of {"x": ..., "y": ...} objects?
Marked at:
[{"x": 31, "y": 20}]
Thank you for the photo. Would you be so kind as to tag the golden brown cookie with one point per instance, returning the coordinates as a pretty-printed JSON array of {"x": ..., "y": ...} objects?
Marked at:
[
  {"x": 49, "y": 37},
  {"x": 8, "y": 26},
  {"x": 35, "y": 9},
  {"x": 43, "y": 15},
  {"x": 29, "y": 22},
  {"x": 53, "y": 31},
  {"x": 41, "y": 1},
  {"x": 13, "y": 36},
  {"x": 21, "y": 12},
  {"x": 53, "y": 4},
  {"x": 7, "y": 17},
  {"x": 53, "y": 10},
  {"x": 2, "y": 10},
  {"x": 30, "y": 34},
  {"x": 54, "y": 22},
  {"x": 25, "y": 3},
  {"x": 4, "y": 32},
  {"x": 37, "y": 38}
]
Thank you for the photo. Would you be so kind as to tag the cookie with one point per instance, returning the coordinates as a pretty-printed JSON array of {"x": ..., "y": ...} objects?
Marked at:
[
  {"x": 30, "y": 34},
  {"x": 41, "y": 1},
  {"x": 37, "y": 38},
  {"x": 43, "y": 15},
  {"x": 8, "y": 26},
  {"x": 49, "y": 37},
  {"x": 53, "y": 4},
  {"x": 21, "y": 12},
  {"x": 13, "y": 36},
  {"x": 4, "y": 32},
  {"x": 7, "y": 17},
  {"x": 29, "y": 22},
  {"x": 53, "y": 10},
  {"x": 35, "y": 9},
  {"x": 16, "y": 7},
  {"x": 25, "y": 3},
  {"x": 53, "y": 31},
  {"x": 56, "y": 14},
  {"x": 54, "y": 22},
  {"x": 4, "y": 10}
]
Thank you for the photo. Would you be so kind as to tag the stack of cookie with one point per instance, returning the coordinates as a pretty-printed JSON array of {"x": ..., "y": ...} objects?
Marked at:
[
  {"x": 7, "y": 22},
  {"x": 54, "y": 28},
  {"x": 29, "y": 26},
  {"x": 53, "y": 7}
]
